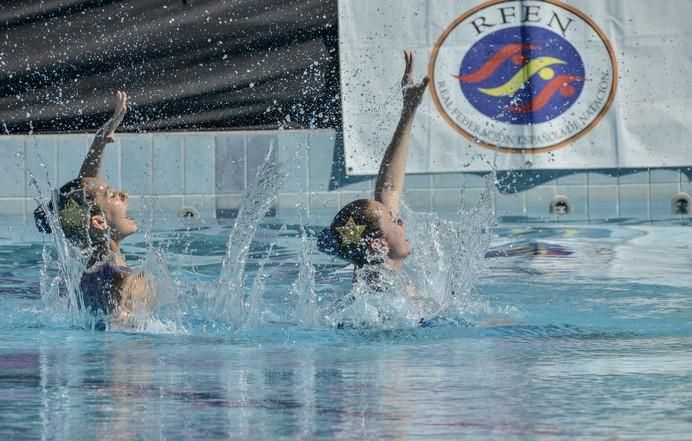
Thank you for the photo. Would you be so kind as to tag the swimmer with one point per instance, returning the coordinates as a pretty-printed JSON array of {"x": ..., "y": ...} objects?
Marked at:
[
  {"x": 369, "y": 232},
  {"x": 93, "y": 216}
]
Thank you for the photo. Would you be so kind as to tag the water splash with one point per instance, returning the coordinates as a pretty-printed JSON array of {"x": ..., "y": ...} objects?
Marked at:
[
  {"x": 64, "y": 265},
  {"x": 447, "y": 260},
  {"x": 167, "y": 312},
  {"x": 381, "y": 298},
  {"x": 450, "y": 256},
  {"x": 254, "y": 315},
  {"x": 61, "y": 295},
  {"x": 436, "y": 281},
  {"x": 303, "y": 288},
  {"x": 58, "y": 280},
  {"x": 228, "y": 298},
  {"x": 469, "y": 262}
]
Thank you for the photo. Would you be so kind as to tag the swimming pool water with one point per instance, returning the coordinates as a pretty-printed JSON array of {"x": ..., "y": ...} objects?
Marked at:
[{"x": 572, "y": 332}]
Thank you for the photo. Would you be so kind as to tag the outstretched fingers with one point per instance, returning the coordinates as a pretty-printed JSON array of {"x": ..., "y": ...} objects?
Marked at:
[
  {"x": 118, "y": 115},
  {"x": 413, "y": 92},
  {"x": 407, "y": 80}
]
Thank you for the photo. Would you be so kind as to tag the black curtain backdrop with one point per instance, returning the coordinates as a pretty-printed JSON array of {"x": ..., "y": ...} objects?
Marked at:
[{"x": 186, "y": 64}]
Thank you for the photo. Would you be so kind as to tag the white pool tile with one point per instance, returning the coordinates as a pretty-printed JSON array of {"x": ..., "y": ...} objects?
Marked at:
[
  {"x": 41, "y": 162},
  {"x": 572, "y": 179},
  {"x": 292, "y": 154},
  {"x": 230, "y": 162},
  {"x": 228, "y": 205},
  {"x": 137, "y": 205},
  {"x": 16, "y": 206},
  {"x": 609, "y": 177},
  {"x": 259, "y": 146},
  {"x": 418, "y": 181},
  {"x": 418, "y": 200},
  {"x": 473, "y": 180},
  {"x": 167, "y": 203},
  {"x": 168, "y": 164},
  {"x": 71, "y": 152},
  {"x": 200, "y": 169},
  {"x": 191, "y": 168},
  {"x": 110, "y": 167},
  {"x": 136, "y": 163},
  {"x": 630, "y": 176},
  {"x": 603, "y": 202},
  {"x": 322, "y": 144},
  {"x": 11, "y": 166},
  {"x": 661, "y": 176},
  {"x": 448, "y": 180},
  {"x": 291, "y": 204},
  {"x": 634, "y": 201},
  {"x": 509, "y": 205},
  {"x": 446, "y": 200}
]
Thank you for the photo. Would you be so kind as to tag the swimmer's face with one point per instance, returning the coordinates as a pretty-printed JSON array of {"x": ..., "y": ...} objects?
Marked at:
[
  {"x": 394, "y": 235},
  {"x": 113, "y": 204}
]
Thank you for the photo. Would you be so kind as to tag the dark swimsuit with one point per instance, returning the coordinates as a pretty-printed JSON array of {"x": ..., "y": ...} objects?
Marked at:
[{"x": 100, "y": 299}]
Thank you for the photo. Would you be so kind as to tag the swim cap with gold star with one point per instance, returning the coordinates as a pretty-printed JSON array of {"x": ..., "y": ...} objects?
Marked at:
[
  {"x": 350, "y": 232},
  {"x": 71, "y": 215}
]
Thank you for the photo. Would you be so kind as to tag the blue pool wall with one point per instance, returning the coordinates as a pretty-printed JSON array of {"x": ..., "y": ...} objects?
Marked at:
[{"x": 207, "y": 173}]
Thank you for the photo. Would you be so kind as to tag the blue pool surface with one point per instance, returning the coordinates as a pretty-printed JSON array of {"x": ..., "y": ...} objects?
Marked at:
[{"x": 570, "y": 332}]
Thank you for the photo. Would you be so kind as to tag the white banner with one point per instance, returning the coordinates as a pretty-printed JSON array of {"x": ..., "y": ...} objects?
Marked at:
[{"x": 542, "y": 84}]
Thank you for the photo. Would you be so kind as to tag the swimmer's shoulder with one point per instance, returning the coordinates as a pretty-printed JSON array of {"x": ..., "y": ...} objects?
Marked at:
[{"x": 138, "y": 290}]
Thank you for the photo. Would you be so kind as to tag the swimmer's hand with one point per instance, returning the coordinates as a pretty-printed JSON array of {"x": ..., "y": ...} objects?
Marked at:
[
  {"x": 106, "y": 133},
  {"x": 413, "y": 92}
]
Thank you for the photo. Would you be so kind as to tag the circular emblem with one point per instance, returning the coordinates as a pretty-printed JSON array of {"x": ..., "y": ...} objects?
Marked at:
[{"x": 523, "y": 75}]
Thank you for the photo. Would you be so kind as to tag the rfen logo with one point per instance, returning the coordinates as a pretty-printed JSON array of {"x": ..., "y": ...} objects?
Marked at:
[{"x": 522, "y": 76}]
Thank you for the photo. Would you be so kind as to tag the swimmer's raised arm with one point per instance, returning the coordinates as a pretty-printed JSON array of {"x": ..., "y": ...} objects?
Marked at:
[
  {"x": 390, "y": 179},
  {"x": 106, "y": 134}
]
